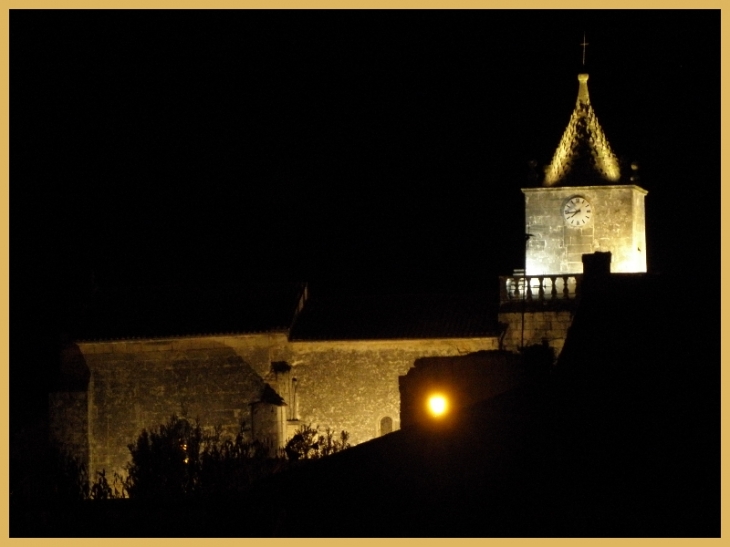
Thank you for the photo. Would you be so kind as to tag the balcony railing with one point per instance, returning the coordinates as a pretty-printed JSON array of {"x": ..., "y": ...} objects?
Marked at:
[{"x": 539, "y": 288}]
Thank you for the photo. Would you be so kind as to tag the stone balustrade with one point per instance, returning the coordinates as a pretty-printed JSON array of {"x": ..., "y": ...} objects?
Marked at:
[{"x": 538, "y": 288}]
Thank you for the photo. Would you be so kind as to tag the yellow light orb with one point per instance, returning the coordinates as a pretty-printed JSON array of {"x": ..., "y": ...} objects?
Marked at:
[{"x": 437, "y": 405}]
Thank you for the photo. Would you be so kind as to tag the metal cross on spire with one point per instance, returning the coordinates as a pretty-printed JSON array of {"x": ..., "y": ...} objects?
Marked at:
[{"x": 584, "y": 44}]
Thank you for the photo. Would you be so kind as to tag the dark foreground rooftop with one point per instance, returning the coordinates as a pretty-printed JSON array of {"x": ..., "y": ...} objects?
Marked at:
[{"x": 622, "y": 439}]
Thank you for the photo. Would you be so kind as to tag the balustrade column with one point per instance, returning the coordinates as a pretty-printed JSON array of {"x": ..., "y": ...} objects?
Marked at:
[
  {"x": 554, "y": 289},
  {"x": 541, "y": 288}
]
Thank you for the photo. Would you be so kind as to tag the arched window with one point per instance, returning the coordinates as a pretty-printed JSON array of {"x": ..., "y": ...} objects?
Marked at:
[{"x": 386, "y": 425}]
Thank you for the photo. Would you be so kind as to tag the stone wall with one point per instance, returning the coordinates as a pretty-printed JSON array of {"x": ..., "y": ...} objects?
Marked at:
[
  {"x": 135, "y": 385},
  {"x": 69, "y": 422},
  {"x": 617, "y": 226},
  {"x": 268, "y": 425},
  {"x": 354, "y": 385},
  {"x": 139, "y": 384},
  {"x": 543, "y": 325}
]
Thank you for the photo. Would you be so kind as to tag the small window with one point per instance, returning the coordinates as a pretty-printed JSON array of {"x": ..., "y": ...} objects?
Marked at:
[{"x": 386, "y": 425}]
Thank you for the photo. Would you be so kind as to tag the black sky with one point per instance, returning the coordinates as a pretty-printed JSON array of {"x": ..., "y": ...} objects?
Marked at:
[
  {"x": 175, "y": 144},
  {"x": 159, "y": 147}
]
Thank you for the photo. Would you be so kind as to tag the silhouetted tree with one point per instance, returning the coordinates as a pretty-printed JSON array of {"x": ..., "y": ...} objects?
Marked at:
[
  {"x": 68, "y": 476},
  {"x": 232, "y": 465},
  {"x": 309, "y": 444},
  {"x": 165, "y": 462},
  {"x": 177, "y": 460}
]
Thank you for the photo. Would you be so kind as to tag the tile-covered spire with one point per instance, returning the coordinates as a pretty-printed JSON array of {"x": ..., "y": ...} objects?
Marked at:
[{"x": 584, "y": 156}]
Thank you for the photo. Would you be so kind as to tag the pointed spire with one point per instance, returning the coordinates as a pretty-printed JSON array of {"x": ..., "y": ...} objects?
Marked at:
[{"x": 584, "y": 156}]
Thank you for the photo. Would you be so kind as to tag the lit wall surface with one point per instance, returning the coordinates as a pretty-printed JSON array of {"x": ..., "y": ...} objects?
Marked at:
[
  {"x": 136, "y": 384},
  {"x": 616, "y": 225}
]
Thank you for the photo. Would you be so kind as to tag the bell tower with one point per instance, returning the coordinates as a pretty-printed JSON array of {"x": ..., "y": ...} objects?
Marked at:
[{"x": 587, "y": 202}]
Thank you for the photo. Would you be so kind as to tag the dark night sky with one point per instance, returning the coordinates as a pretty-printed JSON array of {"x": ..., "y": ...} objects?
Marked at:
[{"x": 210, "y": 147}]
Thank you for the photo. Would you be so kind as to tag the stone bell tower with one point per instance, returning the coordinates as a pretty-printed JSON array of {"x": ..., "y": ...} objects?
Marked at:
[{"x": 585, "y": 202}]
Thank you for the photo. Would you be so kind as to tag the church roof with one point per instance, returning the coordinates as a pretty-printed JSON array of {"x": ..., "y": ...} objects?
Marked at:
[
  {"x": 270, "y": 397},
  {"x": 583, "y": 156},
  {"x": 169, "y": 311},
  {"x": 162, "y": 312},
  {"x": 404, "y": 316}
]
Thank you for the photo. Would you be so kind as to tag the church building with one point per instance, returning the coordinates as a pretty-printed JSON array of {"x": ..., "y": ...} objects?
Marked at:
[
  {"x": 274, "y": 358},
  {"x": 268, "y": 360}
]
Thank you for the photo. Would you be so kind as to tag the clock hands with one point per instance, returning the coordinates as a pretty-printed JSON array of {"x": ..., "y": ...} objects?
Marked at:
[{"x": 577, "y": 211}]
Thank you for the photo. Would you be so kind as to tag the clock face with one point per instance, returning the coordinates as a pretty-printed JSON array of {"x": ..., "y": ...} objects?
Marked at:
[{"x": 577, "y": 211}]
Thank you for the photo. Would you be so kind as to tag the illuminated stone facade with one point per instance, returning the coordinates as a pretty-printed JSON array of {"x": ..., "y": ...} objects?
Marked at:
[
  {"x": 616, "y": 226},
  {"x": 223, "y": 381},
  {"x": 536, "y": 327},
  {"x": 585, "y": 204}
]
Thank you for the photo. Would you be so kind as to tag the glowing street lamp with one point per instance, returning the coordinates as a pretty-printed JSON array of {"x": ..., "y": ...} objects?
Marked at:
[{"x": 437, "y": 405}]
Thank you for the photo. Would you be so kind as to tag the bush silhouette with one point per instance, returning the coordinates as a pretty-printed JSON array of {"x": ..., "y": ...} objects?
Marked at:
[
  {"x": 308, "y": 444},
  {"x": 165, "y": 462},
  {"x": 177, "y": 460}
]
